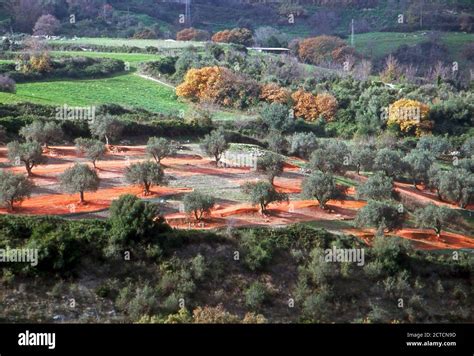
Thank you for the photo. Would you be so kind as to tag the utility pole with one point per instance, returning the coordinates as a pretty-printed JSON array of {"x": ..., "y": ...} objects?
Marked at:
[
  {"x": 421, "y": 14},
  {"x": 352, "y": 33},
  {"x": 187, "y": 12}
]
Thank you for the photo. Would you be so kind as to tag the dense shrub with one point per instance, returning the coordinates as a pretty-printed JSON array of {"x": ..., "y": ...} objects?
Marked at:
[
  {"x": 163, "y": 66},
  {"x": 257, "y": 252},
  {"x": 192, "y": 34},
  {"x": 7, "y": 84},
  {"x": 69, "y": 67}
]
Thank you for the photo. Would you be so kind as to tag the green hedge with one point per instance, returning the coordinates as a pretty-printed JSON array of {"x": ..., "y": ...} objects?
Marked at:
[{"x": 68, "y": 67}]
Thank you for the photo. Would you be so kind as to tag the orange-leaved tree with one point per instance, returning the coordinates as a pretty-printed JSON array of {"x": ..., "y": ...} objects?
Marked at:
[
  {"x": 320, "y": 49},
  {"x": 198, "y": 82},
  {"x": 192, "y": 34},
  {"x": 310, "y": 107},
  {"x": 241, "y": 36},
  {"x": 327, "y": 106},
  {"x": 410, "y": 116},
  {"x": 274, "y": 93},
  {"x": 219, "y": 85}
]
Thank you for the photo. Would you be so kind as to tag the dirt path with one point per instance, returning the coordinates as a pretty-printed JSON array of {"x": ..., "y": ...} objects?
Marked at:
[
  {"x": 156, "y": 80},
  {"x": 423, "y": 239}
]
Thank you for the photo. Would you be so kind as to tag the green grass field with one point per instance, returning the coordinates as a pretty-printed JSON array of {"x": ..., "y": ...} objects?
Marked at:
[
  {"x": 128, "y": 90},
  {"x": 129, "y": 42},
  {"x": 379, "y": 44},
  {"x": 132, "y": 58}
]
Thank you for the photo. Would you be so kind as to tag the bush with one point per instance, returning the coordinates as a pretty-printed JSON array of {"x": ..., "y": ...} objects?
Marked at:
[
  {"x": 134, "y": 222},
  {"x": 165, "y": 66},
  {"x": 255, "y": 296},
  {"x": 303, "y": 144},
  {"x": 138, "y": 302},
  {"x": 277, "y": 117},
  {"x": 258, "y": 252},
  {"x": 68, "y": 67},
  {"x": 192, "y": 34},
  {"x": 7, "y": 84}
]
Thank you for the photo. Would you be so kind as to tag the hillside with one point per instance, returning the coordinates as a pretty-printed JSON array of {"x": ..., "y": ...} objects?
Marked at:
[{"x": 122, "y": 18}]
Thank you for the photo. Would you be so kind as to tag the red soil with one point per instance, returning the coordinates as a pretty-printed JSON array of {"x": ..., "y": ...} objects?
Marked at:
[
  {"x": 227, "y": 214},
  {"x": 278, "y": 214},
  {"x": 421, "y": 194},
  {"x": 423, "y": 239},
  {"x": 57, "y": 204}
]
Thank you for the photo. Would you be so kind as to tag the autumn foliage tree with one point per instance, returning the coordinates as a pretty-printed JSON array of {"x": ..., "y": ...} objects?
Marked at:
[
  {"x": 327, "y": 106},
  {"x": 219, "y": 85},
  {"x": 410, "y": 116},
  {"x": 316, "y": 50},
  {"x": 192, "y": 34},
  {"x": 241, "y": 36},
  {"x": 310, "y": 107},
  {"x": 274, "y": 93}
]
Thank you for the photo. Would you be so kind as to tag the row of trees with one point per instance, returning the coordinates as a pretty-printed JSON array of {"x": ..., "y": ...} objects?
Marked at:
[
  {"x": 381, "y": 211},
  {"x": 80, "y": 178}
]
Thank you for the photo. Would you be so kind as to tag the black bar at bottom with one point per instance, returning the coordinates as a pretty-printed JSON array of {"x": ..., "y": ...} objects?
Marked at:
[{"x": 353, "y": 339}]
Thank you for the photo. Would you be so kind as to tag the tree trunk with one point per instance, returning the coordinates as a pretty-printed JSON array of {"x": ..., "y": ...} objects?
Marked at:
[
  {"x": 358, "y": 169},
  {"x": 146, "y": 188},
  {"x": 81, "y": 197},
  {"x": 107, "y": 140},
  {"x": 28, "y": 169}
]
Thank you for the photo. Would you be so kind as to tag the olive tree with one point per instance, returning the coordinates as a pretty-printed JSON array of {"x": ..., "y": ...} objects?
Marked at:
[
  {"x": 277, "y": 142},
  {"x": 145, "y": 174},
  {"x": 434, "y": 217},
  {"x": 302, "y": 144},
  {"x": 377, "y": 187},
  {"x": 44, "y": 133},
  {"x": 363, "y": 158},
  {"x": 14, "y": 188},
  {"x": 389, "y": 161},
  {"x": 30, "y": 154},
  {"x": 321, "y": 186},
  {"x": 333, "y": 157},
  {"x": 106, "y": 127},
  {"x": 271, "y": 165},
  {"x": 437, "y": 145},
  {"x": 93, "y": 149},
  {"x": 79, "y": 178},
  {"x": 262, "y": 194},
  {"x": 159, "y": 148},
  {"x": 457, "y": 185},
  {"x": 417, "y": 165},
  {"x": 198, "y": 204},
  {"x": 381, "y": 215},
  {"x": 215, "y": 144}
]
